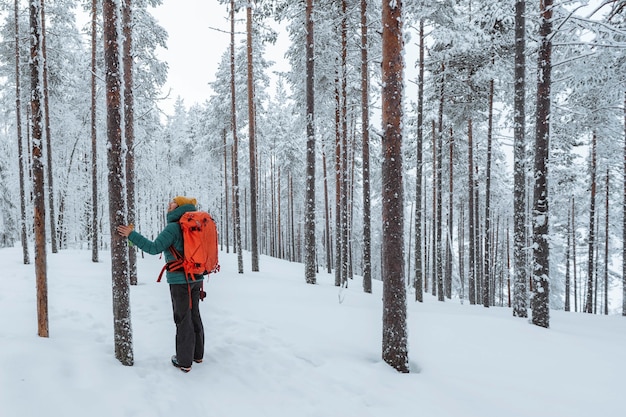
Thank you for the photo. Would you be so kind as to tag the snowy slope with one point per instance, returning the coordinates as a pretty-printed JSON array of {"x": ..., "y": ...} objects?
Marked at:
[{"x": 278, "y": 347}]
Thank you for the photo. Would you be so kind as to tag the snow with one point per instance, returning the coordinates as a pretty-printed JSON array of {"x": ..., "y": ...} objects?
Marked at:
[{"x": 276, "y": 346}]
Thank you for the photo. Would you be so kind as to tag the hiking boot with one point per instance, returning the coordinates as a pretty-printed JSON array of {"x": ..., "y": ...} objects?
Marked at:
[{"x": 176, "y": 364}]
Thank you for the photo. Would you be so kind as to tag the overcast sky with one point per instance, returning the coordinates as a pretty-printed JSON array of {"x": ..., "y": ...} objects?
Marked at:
[{"x": 194, "y": 48}]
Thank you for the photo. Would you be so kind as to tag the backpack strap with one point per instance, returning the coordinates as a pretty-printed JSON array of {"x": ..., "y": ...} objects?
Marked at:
[{"x": 174, "y": 265}]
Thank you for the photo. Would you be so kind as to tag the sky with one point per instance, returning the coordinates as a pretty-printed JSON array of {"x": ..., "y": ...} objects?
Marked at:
[
  {"x": 276, "y": 346},
  {"x": 199, "y": 34}
]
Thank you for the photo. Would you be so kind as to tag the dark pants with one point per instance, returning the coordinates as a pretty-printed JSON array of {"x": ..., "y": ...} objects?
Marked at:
[{"x": 189, "y": 329}]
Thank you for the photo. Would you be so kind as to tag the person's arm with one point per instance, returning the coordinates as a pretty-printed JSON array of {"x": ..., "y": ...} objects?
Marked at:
[{"x": 164, "y": 240}]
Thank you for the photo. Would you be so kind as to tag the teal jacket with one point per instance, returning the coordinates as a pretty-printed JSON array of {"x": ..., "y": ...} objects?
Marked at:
[{"x": 170, "y": 236}]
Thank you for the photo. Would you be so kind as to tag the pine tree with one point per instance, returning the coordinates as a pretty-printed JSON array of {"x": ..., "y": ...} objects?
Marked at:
[
  {"x": 254, "y": 246},
  {"x": 116, "y": 180},
  {"x": 519, "y": 170},
  {"x": 540, "y": 301},
  {"x": 94, "y": 224},
  {"x": 309, "y": 205},
  {"x": 129, "y": 129},
  {"x": 37, "y": 131},
  {"x": 395, "y": 350},
  {"x": 20, "y": 145}
]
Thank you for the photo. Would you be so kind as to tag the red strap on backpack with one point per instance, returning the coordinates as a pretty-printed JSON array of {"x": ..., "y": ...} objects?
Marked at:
[{"x": 176, "y": 265}]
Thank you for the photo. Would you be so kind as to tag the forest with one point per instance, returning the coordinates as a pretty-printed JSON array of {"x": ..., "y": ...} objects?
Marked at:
[{"x": 508, "y": 155}]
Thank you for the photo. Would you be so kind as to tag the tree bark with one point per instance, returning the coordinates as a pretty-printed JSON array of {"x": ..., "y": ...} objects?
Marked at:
[
  {"x": 606, "y": 246},
  {"x": 519, "y": 169},
  {"x": 448, "y": 282},
  {"x": 592, "y": 227},
  {"x": 233, "y": 109},
  {"x": 540, "y": 301},
  {"x": 439, "y": 188},
  {"x": 488, "y": 258},
  {"x": 48, "y": 135},
  {"x": 471, "y": 220},
  {"x": 395, "y": 350},
  {"x": 309, "y": 219},
  {"x": 94, "y": 137},
  {"x": 254, "y": 240},
  {"x": 116, "y": 180},
  {"x": 419, "y": 268},
  {"x": 37, "y": 127},
  {"x": 129, "y": 130},
  {"x": 568, "y": 261},
  {"x": 365, "y": 114},
  {"x": 20, "y": 139}
]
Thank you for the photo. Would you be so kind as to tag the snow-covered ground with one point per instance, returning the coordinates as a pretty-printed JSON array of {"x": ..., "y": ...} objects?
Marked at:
[{"x": 279, "y": 347}]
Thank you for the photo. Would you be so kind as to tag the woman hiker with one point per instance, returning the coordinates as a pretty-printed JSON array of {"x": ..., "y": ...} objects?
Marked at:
[{"x": 189, "y": 329}]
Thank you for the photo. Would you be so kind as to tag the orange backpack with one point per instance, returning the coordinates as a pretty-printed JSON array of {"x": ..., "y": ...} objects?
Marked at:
[{"x": 199, "y": 246}]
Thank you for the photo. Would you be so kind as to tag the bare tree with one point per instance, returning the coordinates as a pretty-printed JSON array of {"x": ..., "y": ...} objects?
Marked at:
[
  {"x": 48, "y": 135},
  {"x": 488, "y": 258},
  {"x": 116, "y": 180},
  {"x": 568, "y": 260},
  {"x": 606, "y": 246},
  {"x": 395, "y": 349},
  {"x": 519, "y": 170},
  {"x": 20, "y": 139},
  {"x": 254, "y": 246},
  {"x": 365, "y": 117},
  {"x": 472, "y": 217},
  {"x": 235, "y": 155},
  {"x": 37, "y": 128},
  {"x": 309, "y": 206},
  {"x": 419, "y": 269},
  {"x": 540, "y": 301},
  {"x": 129, "y": 130},
  {"x": 95, "y": 232},
  {"x": 592, "y": 227}
]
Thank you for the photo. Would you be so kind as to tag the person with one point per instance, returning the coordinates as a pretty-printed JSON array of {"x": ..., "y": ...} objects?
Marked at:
[{"x": 185, "y": 294}]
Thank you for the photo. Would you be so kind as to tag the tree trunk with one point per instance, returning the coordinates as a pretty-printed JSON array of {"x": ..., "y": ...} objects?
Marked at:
[
  {"x": 53, "y": 229},
  {"x": 606, "y": 246},
  {"x": 568, "y": 261},
  {"x": 343, "y": 232},
  {"x": 448, "y": 286},
  {"x": 433, "y": 232},
  {"x": 116, "y": 180},
  {"x": 36, "y": 112},
  {"x": 226, "y": 193},
  {"x": 574, "y": 267},
  {"x": 419, "y": 269},
  {"x": 94, "y": 137},
  {"x": 540, "y": 301},
  {"x": 471, "y": 220},
  {"x": 233, "y": 109},
  {"x": 328, "y": 239},
  {"x": 395, "y": 350},
  {"x": 254, "y": 244},
  {"x": 519, "y": 169},
  {"x": 624, "y": 221},
  {"x": 20, "y": 144},
  {"x": 439, "y": 188},
  {"x": 129, "y": 131},
  {"x": 309, "y": 206},
  {"x": 338, "y": 185},
  {"x": 365, "y": 114},
  {"x": 592, "y": 228},
  {"x": 488, "y": 259}
]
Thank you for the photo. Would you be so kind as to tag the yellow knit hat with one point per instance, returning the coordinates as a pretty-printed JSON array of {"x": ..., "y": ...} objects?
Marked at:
[{"x": 181, "y": 201}]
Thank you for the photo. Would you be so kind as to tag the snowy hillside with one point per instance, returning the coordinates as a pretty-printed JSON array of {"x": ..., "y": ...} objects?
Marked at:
[{"x": 278, "y": 347}]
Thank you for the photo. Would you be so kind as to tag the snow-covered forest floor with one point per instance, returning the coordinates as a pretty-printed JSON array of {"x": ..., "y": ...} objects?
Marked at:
[{"x": 279, "y": 347}]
